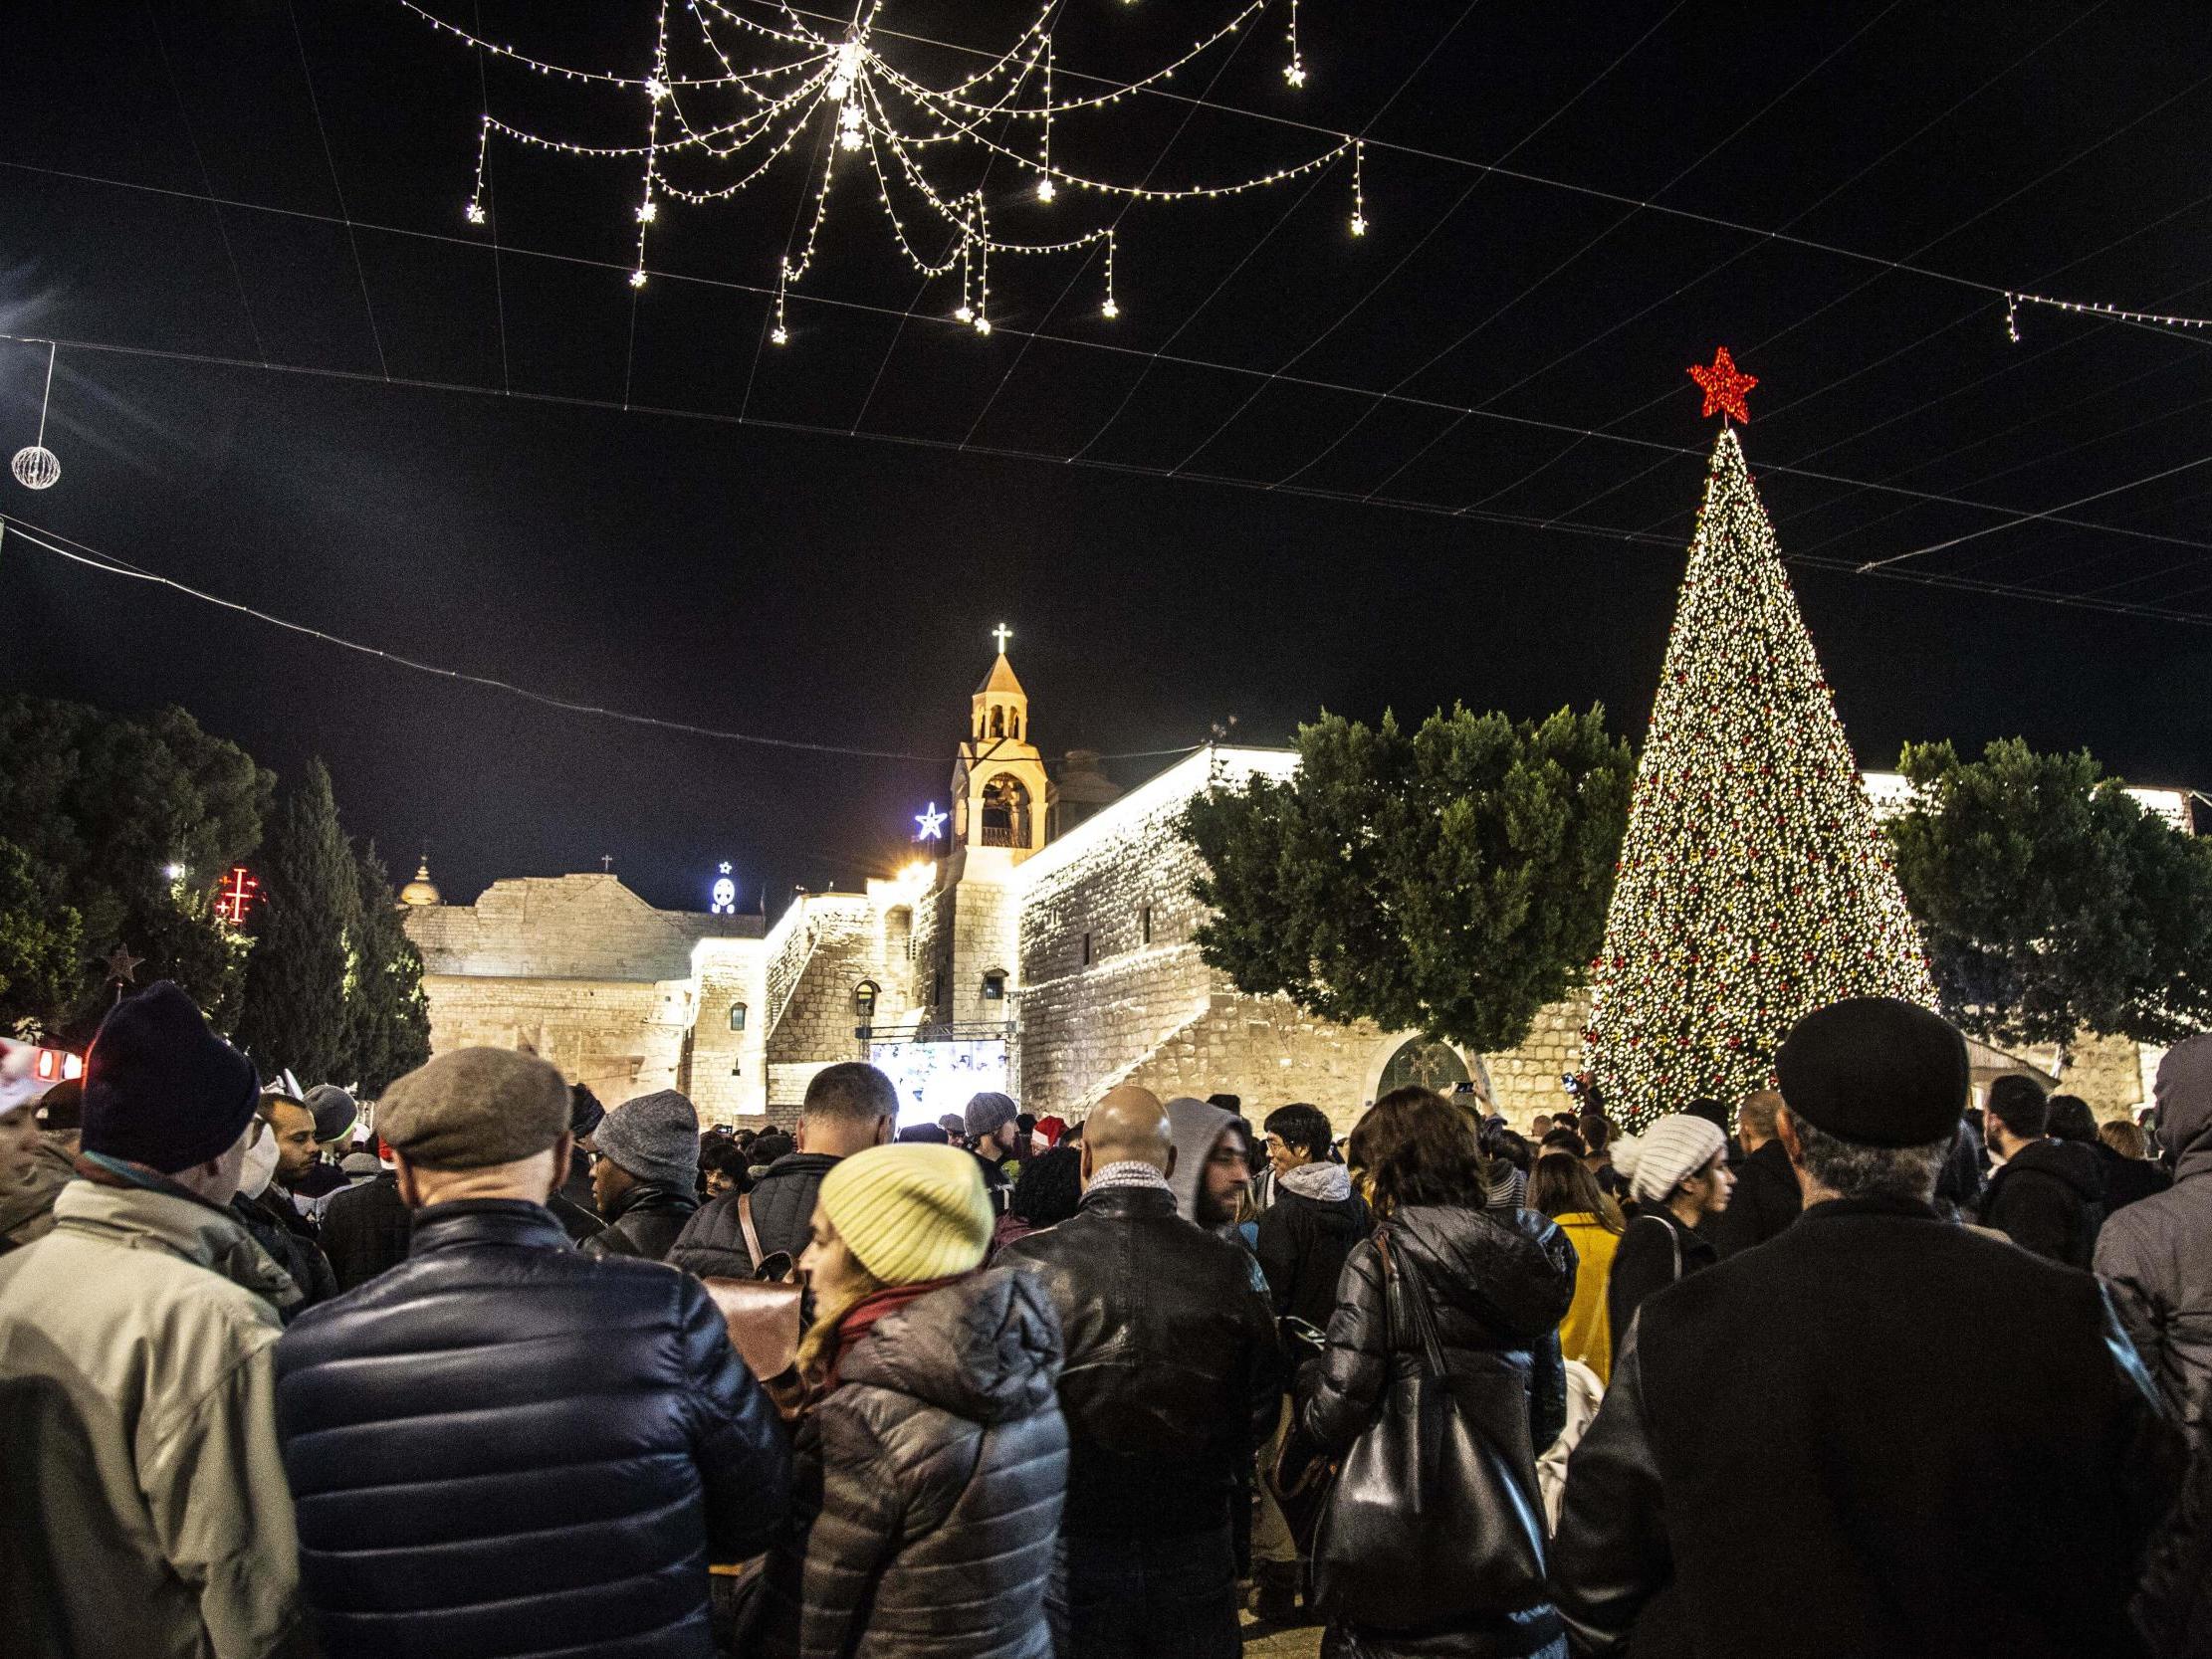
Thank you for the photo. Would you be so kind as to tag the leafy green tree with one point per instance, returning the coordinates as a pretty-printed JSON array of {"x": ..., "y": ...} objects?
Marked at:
[
  {"x": 2051, "y": 902},
  {"x": 104, "y": 804},
  {"x": 1451, "y": 881},
  {"x": 295, "y": 1013},
  {"x": 41, "y": 948},
  {"x": 387, "y": 1015}
]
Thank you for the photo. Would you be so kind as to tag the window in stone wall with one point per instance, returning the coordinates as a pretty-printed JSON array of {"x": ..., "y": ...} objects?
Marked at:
[
  {"x": 1144, "y": 923},
  {"x": 736, "y": 1016},
  {"x": 1086, "y": 950},
  {"x": 937, "y": 991},
  {"x": 995, "y": 984},
  {"x": 864, "y": 998}
]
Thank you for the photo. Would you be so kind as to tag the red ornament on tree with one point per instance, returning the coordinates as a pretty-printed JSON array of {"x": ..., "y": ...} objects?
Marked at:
[{"x": 1723, "y": 385}]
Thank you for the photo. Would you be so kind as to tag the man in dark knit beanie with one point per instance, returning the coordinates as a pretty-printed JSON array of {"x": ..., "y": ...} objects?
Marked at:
[
  {"x": 138, "y": 1351},
  {"x": 1876, "y": 1392},
  {"x": 647, "y": 1177}
]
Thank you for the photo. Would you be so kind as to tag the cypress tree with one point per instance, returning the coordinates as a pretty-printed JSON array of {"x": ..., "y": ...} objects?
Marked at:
[
  {"x": 387, "y": 1016},
  {"x": 294, "y": 1012}
]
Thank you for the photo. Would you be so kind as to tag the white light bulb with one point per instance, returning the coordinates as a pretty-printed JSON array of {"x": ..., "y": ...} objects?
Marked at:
[
  {"x": 1359, "y": 224},
  {"x": 848, "y": 139},
  {"x": 840, "y": 88},
  {"x": 1295, "y": 74},
  {"x": 476, "y": 213},
  {"x": 656, "y": 89},
  {"x": 176, "y": 871},
  {"x": 637, "y": 276},
  {"x": 1109, "y": 309},
  {"x": 1046, "y": 190},
  {"x": 648, "y": 211},
  {"x": 779, "y": 334},
  {"x": 983, "y": 325},
  {"x": 966, "y": 312}
]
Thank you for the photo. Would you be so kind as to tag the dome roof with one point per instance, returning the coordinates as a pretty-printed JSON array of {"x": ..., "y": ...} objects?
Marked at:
[{"x": 419, "y": 891}]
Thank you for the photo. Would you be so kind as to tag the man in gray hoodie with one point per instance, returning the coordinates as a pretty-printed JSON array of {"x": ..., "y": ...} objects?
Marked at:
[
  {"x": 2157, "y": 1252},
  {"x": 1211, "y": 1165}
]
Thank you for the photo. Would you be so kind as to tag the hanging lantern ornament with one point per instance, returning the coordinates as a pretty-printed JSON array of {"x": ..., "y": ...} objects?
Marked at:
[{"x": 35, "y": 466}]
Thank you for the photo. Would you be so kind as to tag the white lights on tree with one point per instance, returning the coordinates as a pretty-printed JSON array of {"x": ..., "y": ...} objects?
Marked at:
[{"x": 735, "y": 95}]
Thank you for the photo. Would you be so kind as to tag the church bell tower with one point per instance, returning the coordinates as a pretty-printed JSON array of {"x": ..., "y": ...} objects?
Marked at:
[{"x": 998, "y": 784}]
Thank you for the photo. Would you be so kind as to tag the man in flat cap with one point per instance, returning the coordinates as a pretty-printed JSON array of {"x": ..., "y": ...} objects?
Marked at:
[
  {"x": 1879, "y": 1432},
  {"x": 503, "y": 1444}
]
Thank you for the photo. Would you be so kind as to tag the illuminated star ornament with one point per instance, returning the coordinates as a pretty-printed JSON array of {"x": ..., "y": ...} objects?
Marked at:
[
  {"x": 1723, "y": 385},
  {"x": 123, "y": 966},
  {"x": 932, "y": 823},
  {"x": 725, "y": 893}
]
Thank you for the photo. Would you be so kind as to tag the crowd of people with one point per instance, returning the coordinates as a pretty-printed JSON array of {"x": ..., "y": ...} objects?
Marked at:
[{"x": 487, "y": 1368}]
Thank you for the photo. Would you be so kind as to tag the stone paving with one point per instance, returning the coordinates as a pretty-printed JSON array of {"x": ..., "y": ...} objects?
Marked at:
[{"x": 1276, "y": 1643}]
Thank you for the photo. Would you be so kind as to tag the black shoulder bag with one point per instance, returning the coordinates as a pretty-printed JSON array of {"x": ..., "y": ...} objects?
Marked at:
[{"x": 1426, "y": 1522}]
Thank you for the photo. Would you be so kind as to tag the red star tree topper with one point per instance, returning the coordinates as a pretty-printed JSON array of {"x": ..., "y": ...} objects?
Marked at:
[{"x": 1725, "y": 385}]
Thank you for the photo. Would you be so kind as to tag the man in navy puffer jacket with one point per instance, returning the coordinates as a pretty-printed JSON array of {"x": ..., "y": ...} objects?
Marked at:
[{"x": 503, "y": 1446}]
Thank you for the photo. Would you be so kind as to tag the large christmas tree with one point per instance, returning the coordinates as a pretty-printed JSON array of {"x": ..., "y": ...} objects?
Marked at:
[{"x": 1754, "y": 883}]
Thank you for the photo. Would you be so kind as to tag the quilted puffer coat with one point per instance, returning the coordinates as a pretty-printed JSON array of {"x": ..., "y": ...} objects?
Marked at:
[
  {"x": 504, "y": 1448},
  {"x": 928, "y": 1485}
]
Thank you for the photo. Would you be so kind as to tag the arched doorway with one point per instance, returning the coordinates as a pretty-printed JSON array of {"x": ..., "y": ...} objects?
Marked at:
[{"x": 1422, "y": 1064}]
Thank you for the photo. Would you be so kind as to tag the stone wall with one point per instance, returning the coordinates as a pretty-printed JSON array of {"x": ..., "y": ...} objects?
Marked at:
[
  {"x": 588, "y": 926},
  {"x": 621, "y": 1038},
  {"x": 1525, "y": 1080},
  {"x": 836, "y": 944},
  {"x": 727, "y": 1075}
]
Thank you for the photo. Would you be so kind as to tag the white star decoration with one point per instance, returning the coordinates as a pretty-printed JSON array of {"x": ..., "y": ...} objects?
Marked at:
[{"x": 932, "y": 822}]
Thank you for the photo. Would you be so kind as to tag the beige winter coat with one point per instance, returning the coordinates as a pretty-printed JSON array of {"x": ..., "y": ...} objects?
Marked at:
[{"x": 144, "y": 1510}]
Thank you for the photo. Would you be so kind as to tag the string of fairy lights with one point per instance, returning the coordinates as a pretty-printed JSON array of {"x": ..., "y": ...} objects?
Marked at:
[{"x": 770, "y": 90}]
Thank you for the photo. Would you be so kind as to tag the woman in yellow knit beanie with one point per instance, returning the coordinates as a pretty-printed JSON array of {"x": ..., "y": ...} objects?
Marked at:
[{"x": 933, "y": 1435}]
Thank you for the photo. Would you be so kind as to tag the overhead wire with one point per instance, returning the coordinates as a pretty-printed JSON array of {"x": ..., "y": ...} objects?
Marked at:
[
  {"x": 1750, "y": 248},
  {"x": 82, "y": 553},
  {"x": 1602, "y": 236},
  {"x": 1192, "y": 314},
  {"x": 329, "y": 158}
]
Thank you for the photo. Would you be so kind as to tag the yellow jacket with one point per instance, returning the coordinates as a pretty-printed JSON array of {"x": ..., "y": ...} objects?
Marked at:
[{"x": 1586, "y": 1333}]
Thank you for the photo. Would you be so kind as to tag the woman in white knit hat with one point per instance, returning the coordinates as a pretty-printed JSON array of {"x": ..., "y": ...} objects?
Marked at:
[{"x": 1677, "y": 1174}]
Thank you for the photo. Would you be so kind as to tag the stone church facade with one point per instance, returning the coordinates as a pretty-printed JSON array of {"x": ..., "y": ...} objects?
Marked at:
[{"x": 1053, "y": 935}]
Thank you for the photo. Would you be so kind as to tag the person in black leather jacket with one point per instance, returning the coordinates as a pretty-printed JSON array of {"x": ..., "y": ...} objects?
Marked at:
[
  {"x": 1499, "y": 1282},
  {"x": 502, "y": 1445},
  {"x": 1171, "y": 1381},
  {"x": 849, "y": 1107},
  {"x": 932, "y": 1457}
]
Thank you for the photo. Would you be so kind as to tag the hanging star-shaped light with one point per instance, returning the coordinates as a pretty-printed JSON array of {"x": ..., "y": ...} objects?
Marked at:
[
  {"x": 932, "y": 822},
  {"x": 1723, "y": 385},
  {"x": 123, "y": 966}
]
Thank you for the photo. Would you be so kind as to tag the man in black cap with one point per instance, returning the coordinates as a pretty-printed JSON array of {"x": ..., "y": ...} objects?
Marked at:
[{"x": 1879, "y": 1432}]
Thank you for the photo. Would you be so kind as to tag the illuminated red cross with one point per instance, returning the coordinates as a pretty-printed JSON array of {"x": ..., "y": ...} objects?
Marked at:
[{"x": 238, "y": 890}]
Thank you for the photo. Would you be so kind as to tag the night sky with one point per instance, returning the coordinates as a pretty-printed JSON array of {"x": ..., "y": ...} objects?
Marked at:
[{"x": 812, "y": 542}]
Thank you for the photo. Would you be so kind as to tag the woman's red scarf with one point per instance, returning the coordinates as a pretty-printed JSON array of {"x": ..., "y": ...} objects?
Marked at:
[{"x": 868, "y": 1311}]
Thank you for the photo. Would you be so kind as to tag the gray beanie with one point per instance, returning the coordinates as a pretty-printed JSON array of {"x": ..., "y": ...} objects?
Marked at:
[
  {"x": 655, "y": 1137},
  {"x": 335, "y": 1112},
  {"x": 987, "y": 1111}
]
